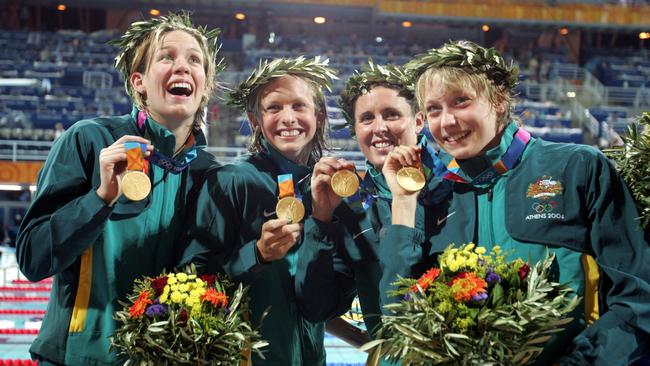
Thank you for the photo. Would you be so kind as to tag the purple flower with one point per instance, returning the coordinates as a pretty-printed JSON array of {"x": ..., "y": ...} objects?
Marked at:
[
  {"x": 481, "y": 262},
  {"x": 492, "y": 277},
  {"x": 407, "y": 297},
  {"x": 156, "y": 310},
  {"x": 480, "y": 297}
]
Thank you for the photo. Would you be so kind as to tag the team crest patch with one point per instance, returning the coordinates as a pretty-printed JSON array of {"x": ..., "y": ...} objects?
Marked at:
[
  {"x": 545, "y": 188},
  {"x": 545, "y": 192}
]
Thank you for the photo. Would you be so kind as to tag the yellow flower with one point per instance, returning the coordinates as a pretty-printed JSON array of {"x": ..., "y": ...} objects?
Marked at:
[
  {"x": 199, "y": 282},
  {"x": 479, "y": 250},
  {"x": 182, "y": 277},
  {"x": 176, "y": 297},
  {"x": 171, "y": 279},
  {"x": 469, "y": 247},
  {"x": 191, "y": 277},
  {"x": 496, "y": 249},
  {"x": 174, "y": 287},
  {"x": 165, "y": 294},
  {"x": 183, "y": 287}
]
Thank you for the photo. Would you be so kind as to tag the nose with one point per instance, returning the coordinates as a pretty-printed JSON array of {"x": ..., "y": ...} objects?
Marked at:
[
  {"x": 181, "y": 66},
  {"x": 379, "y": 126},
  {"x": 447, "y": 119},
  {"x": 288, "y": 116}
]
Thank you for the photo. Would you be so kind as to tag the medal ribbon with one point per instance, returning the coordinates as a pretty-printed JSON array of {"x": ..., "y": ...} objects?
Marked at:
[
  {"x": 135, "y": 157},
  {"x": 508, "y": 161},
  {"x": 286, "y": 187},
  {"x": 188, "y": 152}
]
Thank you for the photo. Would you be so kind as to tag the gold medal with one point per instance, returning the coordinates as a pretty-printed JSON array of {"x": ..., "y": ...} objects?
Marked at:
[
  {"x": 345, "y": 183},
  {"x": 291, "y": 209},
  {"x": 410, "y": 178},
  {"x": 136, "y": 185}
]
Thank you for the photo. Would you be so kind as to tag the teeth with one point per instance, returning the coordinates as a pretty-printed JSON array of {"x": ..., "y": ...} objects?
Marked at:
[
  {"x": 181, "y": 85},
  {"x": 289, "y": 133},
  {"x": 382, "y": 144},
  {"x": 456, "y": 137}
]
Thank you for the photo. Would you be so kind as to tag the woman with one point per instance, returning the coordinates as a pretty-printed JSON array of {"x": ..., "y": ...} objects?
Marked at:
[
  {"x": 529, "y": 196},
  {"x": 81, "y": 228},
  {"x": 339, "y": 258},
  {"x": 237, "y": 227}
]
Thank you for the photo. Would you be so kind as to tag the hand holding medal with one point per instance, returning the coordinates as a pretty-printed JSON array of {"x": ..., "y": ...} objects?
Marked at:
[
  {"x": 332, "y": 179},
  {"x": 288, "y": 207},
  {"x": 113, "y": 164},
  {"x": 136, "y": 185}
]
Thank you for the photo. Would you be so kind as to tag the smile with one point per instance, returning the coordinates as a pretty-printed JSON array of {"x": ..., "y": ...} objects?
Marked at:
[
  {"x": 382, "y": 144},
  {"x": 457, "y": 137},
  {"x": 289, "y": 133},
  {"x": 180, "y": 89}
]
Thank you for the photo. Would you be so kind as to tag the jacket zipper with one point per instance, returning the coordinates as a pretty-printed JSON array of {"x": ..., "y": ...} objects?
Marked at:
[{"x": 490, "y": 215}]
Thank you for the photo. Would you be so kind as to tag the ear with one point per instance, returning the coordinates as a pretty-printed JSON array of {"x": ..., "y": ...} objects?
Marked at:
[
  {"x": 252, "y": 120},
  {"x": 137, "y": 83},
  {"x": 501, "y": 109},
  {"x": 420, "y": 121}
]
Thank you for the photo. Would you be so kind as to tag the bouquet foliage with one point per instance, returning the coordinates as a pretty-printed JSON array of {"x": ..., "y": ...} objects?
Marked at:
[
  {"x": 633, "y": 164},
  {"x": 476, "y": 308},
  {"x": 186, "y": 319}
]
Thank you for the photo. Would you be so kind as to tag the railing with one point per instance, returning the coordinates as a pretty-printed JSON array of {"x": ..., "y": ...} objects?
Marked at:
[{"x": 17, "y": 150}]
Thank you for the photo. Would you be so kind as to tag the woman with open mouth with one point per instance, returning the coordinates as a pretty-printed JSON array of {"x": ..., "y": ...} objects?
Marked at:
[{"x": 114, "y": 192}]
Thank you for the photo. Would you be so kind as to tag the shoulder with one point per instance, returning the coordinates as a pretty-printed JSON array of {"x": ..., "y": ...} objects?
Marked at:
[
  {"x": 554, "y": 152},
  {"x": 101, "y": 128}
]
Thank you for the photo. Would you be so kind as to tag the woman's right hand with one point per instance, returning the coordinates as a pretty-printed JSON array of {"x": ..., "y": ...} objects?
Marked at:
[
  {"x": 404, "y": 203},
  {"x": 278, "y": 236},
  {"x": 324, "y": 200},
  {"x": 113, "y": 165}
]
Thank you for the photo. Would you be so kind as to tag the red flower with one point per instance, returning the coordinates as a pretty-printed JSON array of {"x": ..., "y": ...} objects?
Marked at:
[
  {"x": 523, "y": 271},
  {"x": 182, "y": 318},
  {"x": 426, "y": 279},
  {"x": 140, "y": 305},
  {"x": 467, "y": 286},
  {"x": 215, "y": 297},
  {"x": 208, "y": 278},
  {"x": 158, "y": 285}
]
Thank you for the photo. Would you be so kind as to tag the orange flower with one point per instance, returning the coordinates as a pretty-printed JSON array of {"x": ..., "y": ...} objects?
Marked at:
[
  {"x": 215, "y": 297},
  {"x": 140, "y": 305},
  {"x": 467, "y": 286},
  {"x": 426, "y": 279}
]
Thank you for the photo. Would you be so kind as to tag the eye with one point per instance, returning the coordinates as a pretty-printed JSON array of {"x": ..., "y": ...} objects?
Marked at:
[
  {"x": 272, "y": 108},
  {"x": 463, "y": 101},
  {"x": 165, "y": 57},
  {"x": 195, "y": 59},
  {"x": 299, "y": 106},
  {"x": 433, "y": 111},
  {"x": 366, "y": 118},
  {"x": 392, "y": 115}
]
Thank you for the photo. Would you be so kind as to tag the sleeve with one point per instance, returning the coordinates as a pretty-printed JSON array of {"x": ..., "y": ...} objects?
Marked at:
[
  {"x": 622, "y": 333},
  {"x": 66, "y": 216},
  {"x": 215, "y": 232},
  {"x": 324, "y": 284},
  {"x": 400, "y": 254}
]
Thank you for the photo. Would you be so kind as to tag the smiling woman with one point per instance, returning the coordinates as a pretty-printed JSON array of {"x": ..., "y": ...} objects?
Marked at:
[{"x": 235, "y": 226}]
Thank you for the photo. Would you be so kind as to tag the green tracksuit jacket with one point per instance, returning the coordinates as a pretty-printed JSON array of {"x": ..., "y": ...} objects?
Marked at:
[
  {"x": 235, "y": 202},
  {"x": 569, "y": 199},
  {"x": 94, "y": 251}
]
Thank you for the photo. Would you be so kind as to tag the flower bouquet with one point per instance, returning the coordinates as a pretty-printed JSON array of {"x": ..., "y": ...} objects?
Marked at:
[
  {"x": 186, "y": 319},
  {"x": 474, "y": 309}
]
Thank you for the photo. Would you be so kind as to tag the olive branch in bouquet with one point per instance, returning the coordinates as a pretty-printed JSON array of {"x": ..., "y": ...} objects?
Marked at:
[
  {"x": 186, "y": 319},
  {"x": 633, "y": 164},
  {"x": 509, "y": 328}
]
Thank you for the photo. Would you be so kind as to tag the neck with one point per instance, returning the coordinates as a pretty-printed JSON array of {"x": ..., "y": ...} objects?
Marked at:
[{"x": 180, "y": 129}]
